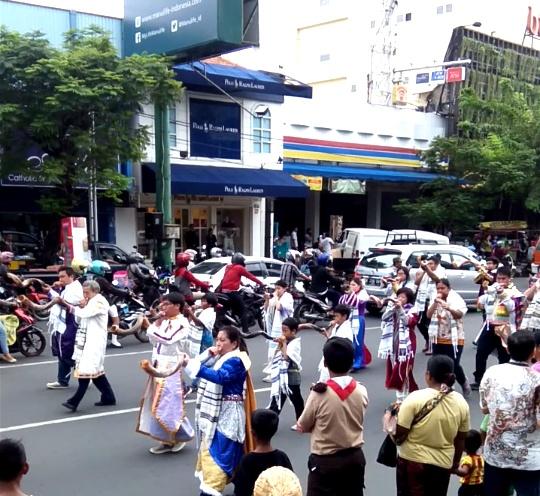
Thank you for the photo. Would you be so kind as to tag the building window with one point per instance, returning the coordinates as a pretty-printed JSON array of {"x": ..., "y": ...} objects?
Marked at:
[
  {"x": 353, "y": 88},
  {"x": 373, "y": 24},
  {"x": 400, "y": 18},
  {"x": 408, "y": 16},
  {"x": 324, "y": 57},
  {"x": 448, "y": 7},
  {"x": 324, "y": 3},
  {"x": 262, "y": 135},
  {"x": 172, "y": 126},
  {"x": 440, "y": 9}
]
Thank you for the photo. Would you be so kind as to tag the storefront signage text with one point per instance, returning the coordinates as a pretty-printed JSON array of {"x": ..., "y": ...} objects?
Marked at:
[
  {"x": 242, "y": 190},
  {"x": 533, "y": 24}
]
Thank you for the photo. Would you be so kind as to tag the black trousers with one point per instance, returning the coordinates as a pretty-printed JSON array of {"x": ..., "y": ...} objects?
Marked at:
[
  {"x": 101, "y": 382},
  {"x": 339, "y": 474},
  {"x": 423, "y": 324},
  {"x": 448, "y": 350},
  {"x": 471, "y": 490},
  {"x": 296, "y": 400},
  {"x": 497, "y": 481},
  {"x": 487, "y": 342},
  {"x": 239, "y": 308}
]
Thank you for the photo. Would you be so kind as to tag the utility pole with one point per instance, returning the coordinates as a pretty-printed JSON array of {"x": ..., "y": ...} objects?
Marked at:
[
  {"x": 92, "y": 190},
  {"x": 163, "y": 178}
]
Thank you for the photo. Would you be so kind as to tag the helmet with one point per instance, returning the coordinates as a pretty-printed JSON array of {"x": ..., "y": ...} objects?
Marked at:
[
  {"x": 308, "y": 253},
  {"x": 216, "y": 252},
  {"x": 183, "y": 259},
  {"x": 99, "y": 268},
  {"x": 192, "y": 254},
  {"x": 291, "y": 256},
  {"x": 135, "y": 257},
  {"x": 238, "y": 258},
  {"x": 6, "y": 256},
  {"x": 79, "y": 265},
  {"x": 323, "y": 259}
]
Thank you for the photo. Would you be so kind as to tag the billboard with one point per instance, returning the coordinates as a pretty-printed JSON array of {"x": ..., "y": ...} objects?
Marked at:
[
  {"x": 189, "y": 29},
  {"x": 214, "y": 129}
]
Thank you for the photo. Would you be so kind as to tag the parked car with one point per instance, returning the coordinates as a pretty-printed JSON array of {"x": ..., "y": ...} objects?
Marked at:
[
  {"x": 212, "y": 270},
  {"x": 110, "y": 253},
  {"x": 28, "y": 249},
  {"x": 458, "y": 261}
]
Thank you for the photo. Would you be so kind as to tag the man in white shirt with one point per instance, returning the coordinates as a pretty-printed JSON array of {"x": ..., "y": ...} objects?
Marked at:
[
  {"x": 426, "y": 278},
  {"x": 509, "y": 393}
]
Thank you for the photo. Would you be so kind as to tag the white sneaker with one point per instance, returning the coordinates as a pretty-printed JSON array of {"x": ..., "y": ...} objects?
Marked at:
[
  {"x": 162, "y": 448},
  {"x": 56, "y": 385},
  {"x": 178, "y": 447},
  {"x": 267, "y": 379},
  {"x": 294, "y": 427},
  {"x": 115, "y": 345}
]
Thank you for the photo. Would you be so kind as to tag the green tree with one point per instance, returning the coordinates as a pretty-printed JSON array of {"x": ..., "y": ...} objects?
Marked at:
[
  {"x": 493, "y": 162},
  {"x": 78, "y": 106}
]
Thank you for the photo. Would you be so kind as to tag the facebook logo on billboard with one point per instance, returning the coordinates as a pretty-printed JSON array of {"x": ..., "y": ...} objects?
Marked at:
[{"x": 214, "y": 129}]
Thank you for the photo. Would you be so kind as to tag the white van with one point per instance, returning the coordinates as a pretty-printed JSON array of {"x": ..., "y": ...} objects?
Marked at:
[{"x": 357, "y": 242}]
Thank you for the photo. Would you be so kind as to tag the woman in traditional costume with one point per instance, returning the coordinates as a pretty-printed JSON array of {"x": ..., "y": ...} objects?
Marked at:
[
  {"x": 162, "y": 415},
  {"x": 398, "y": 343},
  {"x": 225, "y": 400},
  {"x": 356, "y": 299}
]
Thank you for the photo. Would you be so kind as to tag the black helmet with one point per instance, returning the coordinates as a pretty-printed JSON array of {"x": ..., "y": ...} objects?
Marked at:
[{"x": 238, "y": 259}]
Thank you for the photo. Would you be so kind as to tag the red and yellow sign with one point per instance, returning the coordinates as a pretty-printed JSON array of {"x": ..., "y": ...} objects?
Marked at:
[
  {"x": 504, "y": 225},
  {"x": 314, "y": 183}
]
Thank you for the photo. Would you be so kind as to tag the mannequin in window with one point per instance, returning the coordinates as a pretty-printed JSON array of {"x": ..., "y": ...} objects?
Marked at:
[{"x": 229, "y": 232}]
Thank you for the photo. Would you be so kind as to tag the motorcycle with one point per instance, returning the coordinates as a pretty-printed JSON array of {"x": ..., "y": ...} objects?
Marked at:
[
  {"x": 312, "y": 309},
  {"x": 131, "y": 312},
  {"x": 30, "y": 341},
  {"x": 34, "y": 292},
  {"x": 253, "y": 302}
]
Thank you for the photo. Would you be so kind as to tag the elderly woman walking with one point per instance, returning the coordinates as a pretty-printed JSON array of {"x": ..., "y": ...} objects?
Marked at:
[{"x": 90, "y": 344}]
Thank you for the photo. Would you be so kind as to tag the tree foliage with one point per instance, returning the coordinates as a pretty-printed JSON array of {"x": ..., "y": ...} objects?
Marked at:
[
  {"x": 493, "y": 162},
  {"x": 77, "y": 106}
]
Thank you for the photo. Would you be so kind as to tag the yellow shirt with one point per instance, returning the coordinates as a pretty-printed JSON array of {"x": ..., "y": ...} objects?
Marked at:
[
  {"x": 476, "y": 473},
  {"x": 431, "y": 441}
]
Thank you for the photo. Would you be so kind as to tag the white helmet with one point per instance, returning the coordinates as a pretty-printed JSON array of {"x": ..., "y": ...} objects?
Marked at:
[
  {"x": 216, "y": 252},
  {"x": 192, "y": 254}
]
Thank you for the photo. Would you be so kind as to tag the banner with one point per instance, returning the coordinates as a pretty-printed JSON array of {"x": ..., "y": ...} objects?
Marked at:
[
  {"x": 504, "y": 225},
  {"x": 214, "y": 129},
  {"x": 314, "y": 183},
  {"x": 347, "y": 186}
]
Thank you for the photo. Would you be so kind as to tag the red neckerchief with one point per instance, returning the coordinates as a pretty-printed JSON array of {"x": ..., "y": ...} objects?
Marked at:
[{"x": 342, "y": 393}]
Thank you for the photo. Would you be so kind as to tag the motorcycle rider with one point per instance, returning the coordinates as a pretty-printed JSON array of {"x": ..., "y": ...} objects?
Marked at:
[
  {"x": 184, "y": 279},
  {"x": 290, "y": 271},
  {"x": 322, "y": 280},
  {"x": 232, "y": 279},
  {"x": 141, "y": 280}
]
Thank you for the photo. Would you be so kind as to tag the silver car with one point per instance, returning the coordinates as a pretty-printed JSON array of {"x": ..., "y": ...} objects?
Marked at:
[{"x": 458, "y": 261}]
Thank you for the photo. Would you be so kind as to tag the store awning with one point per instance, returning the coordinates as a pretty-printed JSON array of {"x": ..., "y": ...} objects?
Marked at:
[
  {"x": 229, "y": 181},
  {"x": 361, "y": 173},
  {"x": 238, "y": 80}
]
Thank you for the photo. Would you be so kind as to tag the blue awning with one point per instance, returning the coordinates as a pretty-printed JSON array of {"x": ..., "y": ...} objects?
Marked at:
[
  {"x": 229, "y": 181},
  {"x": 238, "y": 80},
  {"x": 361, "y": 173}
]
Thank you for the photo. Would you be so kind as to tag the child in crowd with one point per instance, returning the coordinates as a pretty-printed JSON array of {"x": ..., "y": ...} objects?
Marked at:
[
  {"x": 339, "y": 327},
  {"x": 471, "y": 466},
  {"x": 13, "y": 466},
  {"x": 204, "y": 318},
  {"x": 285, "y": 370},
  {"x": 264, "y": 424}
]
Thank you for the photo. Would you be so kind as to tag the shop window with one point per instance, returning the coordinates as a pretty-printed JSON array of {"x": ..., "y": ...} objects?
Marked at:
[
  {"x": 440, "y": 10},
  {"x": 408, "y": 16},
  {"x": 448, "y": 7},
  {"x": 172, "y": 126},
  {"x": 262, "y": 134}
]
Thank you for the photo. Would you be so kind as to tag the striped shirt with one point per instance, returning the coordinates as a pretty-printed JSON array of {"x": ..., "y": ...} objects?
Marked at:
[
  {"x": 476, "y": 473},
  {"x": 289, "y": 273}
]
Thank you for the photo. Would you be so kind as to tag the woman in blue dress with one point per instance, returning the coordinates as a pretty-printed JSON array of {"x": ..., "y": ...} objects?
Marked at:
[{"x": 220, "y": 413}]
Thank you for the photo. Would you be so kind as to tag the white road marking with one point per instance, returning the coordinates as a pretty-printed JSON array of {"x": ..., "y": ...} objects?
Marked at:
[
  {"x": 47, "y": 362},
  {"x": 91, "y": 416}
]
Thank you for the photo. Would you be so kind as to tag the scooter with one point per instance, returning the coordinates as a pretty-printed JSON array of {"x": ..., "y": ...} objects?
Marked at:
[
  {"x": 312, "y": 309},
  {"x": 131, "y": 313},
  {"x": 30, "y": 341}
]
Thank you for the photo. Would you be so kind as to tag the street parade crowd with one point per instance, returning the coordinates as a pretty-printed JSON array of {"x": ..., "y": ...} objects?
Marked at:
[{"x": 429, "y": 436}]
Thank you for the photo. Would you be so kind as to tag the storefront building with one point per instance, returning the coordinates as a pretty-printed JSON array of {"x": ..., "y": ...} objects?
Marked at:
[{"x": 226, "y": 146}]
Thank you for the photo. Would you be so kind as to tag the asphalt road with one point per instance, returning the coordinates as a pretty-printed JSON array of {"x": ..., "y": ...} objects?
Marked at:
[{"x": 96, "y": 450}]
